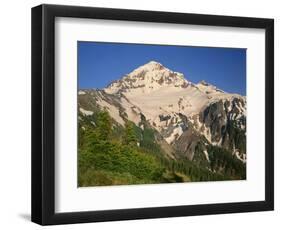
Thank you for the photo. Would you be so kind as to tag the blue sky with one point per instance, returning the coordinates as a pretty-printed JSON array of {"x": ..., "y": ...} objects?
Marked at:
[{"x": 101, "y": 63}]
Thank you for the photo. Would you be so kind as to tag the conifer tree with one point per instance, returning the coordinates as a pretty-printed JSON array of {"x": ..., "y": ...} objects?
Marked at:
[
  {"x": 104, "y": 125},
  {"x": 129, "y": 137}
]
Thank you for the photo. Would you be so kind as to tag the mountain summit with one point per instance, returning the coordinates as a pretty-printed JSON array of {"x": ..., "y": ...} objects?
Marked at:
[{"x": 149, "y": 77}]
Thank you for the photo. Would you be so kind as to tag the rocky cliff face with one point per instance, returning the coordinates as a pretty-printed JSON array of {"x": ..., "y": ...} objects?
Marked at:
[{"x": 187, "y": 118}]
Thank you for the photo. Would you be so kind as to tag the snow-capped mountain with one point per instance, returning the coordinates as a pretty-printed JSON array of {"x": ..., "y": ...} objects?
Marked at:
[
  {"x": 147, "y": 78},
  {"x": 186, "y": 117}
]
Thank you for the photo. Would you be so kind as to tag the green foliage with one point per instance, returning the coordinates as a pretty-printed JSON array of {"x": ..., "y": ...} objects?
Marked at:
[
  {"x": 121, "y": 159},
  {"x": 148, "y": 143},
  {"x": 102, "y": 158},
  {"x": 129, "y": 137},
  {"x": 110, "y": 154},
  {"x": 223, "y": 162},
  {"x": 193, "y": 171},
  {"x": 104, "y": 124}
]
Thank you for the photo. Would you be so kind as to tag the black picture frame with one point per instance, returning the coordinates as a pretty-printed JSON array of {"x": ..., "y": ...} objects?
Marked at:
[{"x": 43, "y": 114}]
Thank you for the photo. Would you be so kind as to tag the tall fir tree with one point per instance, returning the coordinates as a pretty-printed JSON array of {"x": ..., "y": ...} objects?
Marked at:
[
  {"x": 104, "y": 123},
  {"x": 129, "y": 137}
]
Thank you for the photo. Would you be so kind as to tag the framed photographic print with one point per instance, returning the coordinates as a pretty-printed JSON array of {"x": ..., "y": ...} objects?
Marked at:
[{"x": 142, "y": 114}]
